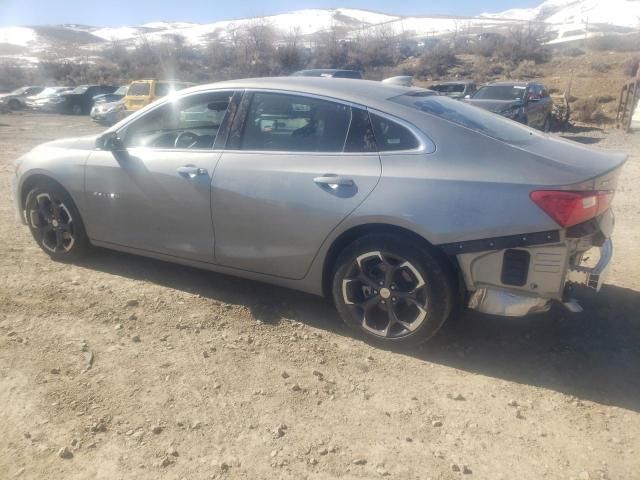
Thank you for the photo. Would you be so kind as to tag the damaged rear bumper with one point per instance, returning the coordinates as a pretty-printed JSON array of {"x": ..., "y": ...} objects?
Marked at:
[
  {"x": 593, "y": 277},
  {"x": 526, "y": 279}
]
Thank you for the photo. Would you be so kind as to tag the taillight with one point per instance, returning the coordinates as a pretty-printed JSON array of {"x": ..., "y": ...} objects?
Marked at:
[{"x": 572, "y": 208}]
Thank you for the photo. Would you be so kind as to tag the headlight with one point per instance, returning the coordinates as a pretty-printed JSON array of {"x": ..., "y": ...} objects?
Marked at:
[{"x": 115, "y": 108}]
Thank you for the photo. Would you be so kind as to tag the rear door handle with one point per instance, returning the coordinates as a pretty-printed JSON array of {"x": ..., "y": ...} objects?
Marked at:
[
  {"x": 191, "y": 171},
  {"x": 333, "y": 180}
]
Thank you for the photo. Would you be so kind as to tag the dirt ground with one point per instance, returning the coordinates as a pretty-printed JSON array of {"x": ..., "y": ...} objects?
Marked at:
[{"x": 136, "y": 368}]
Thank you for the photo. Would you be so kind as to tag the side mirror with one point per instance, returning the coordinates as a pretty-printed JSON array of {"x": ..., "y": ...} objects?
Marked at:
[{"x": 111, "y": 142}]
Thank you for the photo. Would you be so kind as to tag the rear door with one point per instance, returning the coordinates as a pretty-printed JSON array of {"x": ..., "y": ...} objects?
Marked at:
[{"x": 294, "y": 167}]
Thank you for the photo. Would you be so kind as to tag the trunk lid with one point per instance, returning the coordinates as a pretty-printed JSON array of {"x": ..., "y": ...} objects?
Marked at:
[{"x": 594, "y": 169}]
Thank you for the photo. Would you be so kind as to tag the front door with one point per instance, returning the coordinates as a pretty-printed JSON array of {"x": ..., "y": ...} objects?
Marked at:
[
  {"x": 156, "y": 195},
  {"x": 292, "y": 171}
]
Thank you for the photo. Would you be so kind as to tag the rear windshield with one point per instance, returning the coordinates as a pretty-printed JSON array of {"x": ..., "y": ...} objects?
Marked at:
[
  {"x": 469, "y": 116},
  {"x": 453, "y": 88},
  {"x": 80, "y": 90},
  {"x": 501, "y": 92},
  {"x": 137, "y": 89}
]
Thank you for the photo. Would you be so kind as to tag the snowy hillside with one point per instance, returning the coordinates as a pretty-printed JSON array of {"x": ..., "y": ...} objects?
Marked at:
[
  {"x": 573, "y": 19},
  {"x": 568, "y": 19}
]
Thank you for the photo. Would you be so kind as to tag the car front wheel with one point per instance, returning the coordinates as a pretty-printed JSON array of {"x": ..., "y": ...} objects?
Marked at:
[
  {"x": 392, "y": 290},
  {"x": 55, "y": 222}
]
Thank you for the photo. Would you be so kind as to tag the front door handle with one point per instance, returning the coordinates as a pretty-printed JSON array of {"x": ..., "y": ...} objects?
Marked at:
[
  {"x": 333, "y": 180},
  {"x": 191, "y": 171}
]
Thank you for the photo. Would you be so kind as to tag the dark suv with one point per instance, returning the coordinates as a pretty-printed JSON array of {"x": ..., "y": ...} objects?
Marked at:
[
  {"x": 524, "y": 102},
  {"x": 79, "y": 101}
]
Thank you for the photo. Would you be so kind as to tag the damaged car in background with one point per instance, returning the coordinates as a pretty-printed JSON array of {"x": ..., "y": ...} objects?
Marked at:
[
  {"x": 395, "y": 202},
  {"x": 108, "y": 113},
  {"x": 524, "y": 102}
]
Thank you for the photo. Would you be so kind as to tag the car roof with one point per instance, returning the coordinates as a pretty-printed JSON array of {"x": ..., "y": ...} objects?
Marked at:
[{"x": 366, "y": 92}]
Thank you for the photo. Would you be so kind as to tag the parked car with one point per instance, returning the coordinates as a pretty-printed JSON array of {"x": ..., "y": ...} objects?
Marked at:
[
  {"x": 78, "y": 101},
  {"x": 524, "y": 102},
  {"x": 328, "y": 72},
  {"x": 396, "y": 202},
  {"x": 143, "y": 92},
  {"x": 402, "y": 80},
  {"x": 119, "y": 94},
  {"x": 455, "y": 89},
  {"x": 16, "y": 100},
  {"x": 108, "y": 113},
  {"x": 35, "y": 102}
]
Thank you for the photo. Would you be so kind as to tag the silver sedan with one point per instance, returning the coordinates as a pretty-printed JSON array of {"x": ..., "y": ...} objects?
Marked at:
[{"x": 397, "y": 203}]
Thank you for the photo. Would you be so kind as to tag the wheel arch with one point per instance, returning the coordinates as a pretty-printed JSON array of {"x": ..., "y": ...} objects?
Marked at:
[
  {"x": 352, "y": 234},
  {"x": 38, "y": 178}
]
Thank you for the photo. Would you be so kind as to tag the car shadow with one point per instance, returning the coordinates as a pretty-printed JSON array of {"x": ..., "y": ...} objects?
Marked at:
[
  {"x": 584, "y": 140},
  {"x": 582, "y": 129},
  {"x": 594, "y": 355}
]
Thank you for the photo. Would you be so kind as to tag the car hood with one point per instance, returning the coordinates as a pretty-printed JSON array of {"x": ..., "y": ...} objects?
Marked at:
[
  {"x": 497, "y": 106},
  {"x": 6, "y": 95}
]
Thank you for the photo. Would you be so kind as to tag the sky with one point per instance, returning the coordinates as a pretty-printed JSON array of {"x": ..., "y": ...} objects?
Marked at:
[{"x": 135, "y": 12}]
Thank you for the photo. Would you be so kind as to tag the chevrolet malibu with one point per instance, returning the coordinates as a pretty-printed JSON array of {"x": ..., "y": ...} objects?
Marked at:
[{"x": 397, "y": 203}]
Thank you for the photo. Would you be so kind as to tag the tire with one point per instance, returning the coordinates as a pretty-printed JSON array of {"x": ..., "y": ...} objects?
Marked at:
[
  {"x": 55, "y": 223},
  {"x": 393, "y": 290},
  {"x": 15, "y": 104},
  {"x": 76, "y": 109},
  {"x": 546, "y": 126}
]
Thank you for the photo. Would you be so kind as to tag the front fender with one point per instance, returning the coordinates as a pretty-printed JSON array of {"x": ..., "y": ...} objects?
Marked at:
[{"x": 63, "y": 165}]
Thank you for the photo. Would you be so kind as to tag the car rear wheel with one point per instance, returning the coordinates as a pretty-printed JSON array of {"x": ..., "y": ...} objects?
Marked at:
[
  {"x": 392, "y": 290},
  {"x": 76, "y": 109},
  {"x": 55, "y": 223},
  {"x": 14, "y": 104},
  {"x": 546, "y": 126}
]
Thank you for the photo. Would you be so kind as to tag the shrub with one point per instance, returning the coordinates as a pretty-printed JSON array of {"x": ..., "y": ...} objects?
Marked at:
[
  {"x": 526, "y": 69},
  {"x": 587, "y": 110},
  {"x": 630, "y": 66},
  {"x": 436, "y": 62},
  {"x": 601, "y": 67},
  {"x": 573, "y": 52},
  {"x": 616, "y": 43},
  {"x": 605, "y": 99}
]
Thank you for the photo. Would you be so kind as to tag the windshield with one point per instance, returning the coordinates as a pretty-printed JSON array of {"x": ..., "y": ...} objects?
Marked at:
[
  {"x": 469, "y": 116},
  {"x": 80, "y": 90},
  {"x": 139, "y": 88},
  {"x": 501, "y": 92},
  {"x": 121, "y": 91},
  {"x": 19, "y": 91},
  {"x": 48, "y": 91}
]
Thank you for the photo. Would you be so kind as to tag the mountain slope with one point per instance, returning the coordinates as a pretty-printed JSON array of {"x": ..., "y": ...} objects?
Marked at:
[{"x": 568, "y": 19}]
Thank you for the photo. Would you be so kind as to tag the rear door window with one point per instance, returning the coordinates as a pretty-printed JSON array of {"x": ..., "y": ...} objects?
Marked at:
[
  {"x": 283, "y": 122},
  {"x": 392, "y": 136}
]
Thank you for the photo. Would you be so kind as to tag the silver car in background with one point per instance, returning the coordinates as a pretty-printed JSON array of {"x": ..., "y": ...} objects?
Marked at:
[{"x": 396, "y": 202}]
